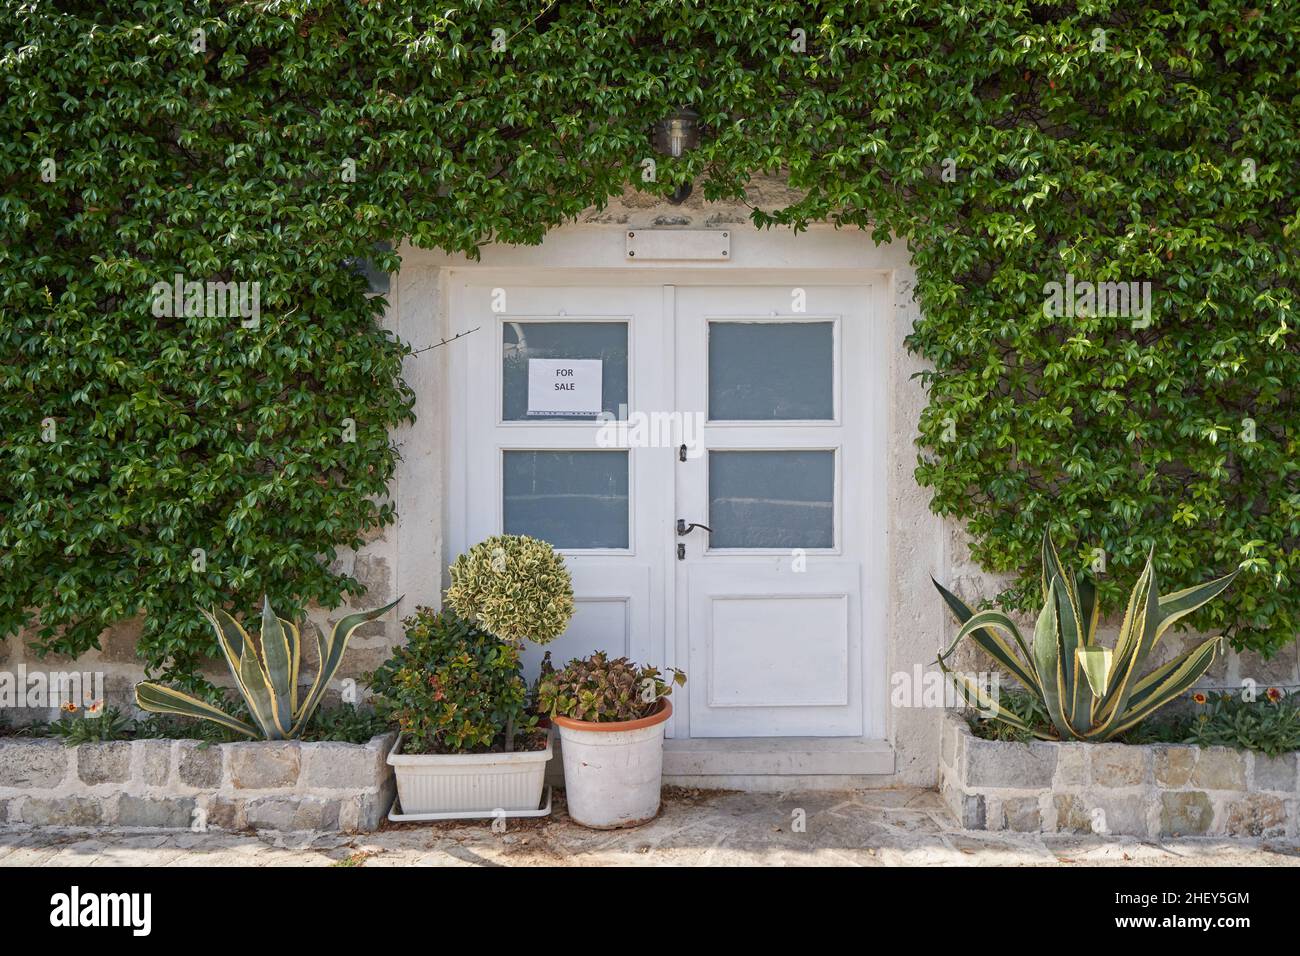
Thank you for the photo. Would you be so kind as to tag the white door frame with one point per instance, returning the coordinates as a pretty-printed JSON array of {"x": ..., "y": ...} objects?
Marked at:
[{"x": 869, "y": 754}]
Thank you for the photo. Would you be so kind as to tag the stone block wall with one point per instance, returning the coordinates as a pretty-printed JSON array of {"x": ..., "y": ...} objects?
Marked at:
[
  {"x": 186, "y": 785},
  {"x": 1156, "y": 790}
]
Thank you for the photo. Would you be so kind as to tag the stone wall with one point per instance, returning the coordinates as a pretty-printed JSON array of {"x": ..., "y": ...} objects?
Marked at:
[
  {"x": 1149, "y": 791},
  {"x": 184, "y": 784}
]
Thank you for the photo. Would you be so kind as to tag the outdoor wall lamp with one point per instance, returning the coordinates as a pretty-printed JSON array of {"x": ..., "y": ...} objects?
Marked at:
[
  {"x": 678, "y": 133},
  {"x": 673, "y": 137}
]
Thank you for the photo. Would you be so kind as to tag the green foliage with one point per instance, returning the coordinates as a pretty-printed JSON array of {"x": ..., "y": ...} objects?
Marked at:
[
  {"x": 1088, "y": 691},
  {"x": 1032, "y": 721},
  {"x": 176, "y": 727},
  {"x": 89, "y": 727},
  {"x": 452, "y": 688},
  {"x": 1164, "y": 155},
  {"x": 597, "y": 689},
  {"x": 513, "y": 586},
  {"x": 173, "y": 727},
  {"x": 1269, "y": 725},
  {"x": 266, "y": 674},
  {"x": 345, "y": 724}
]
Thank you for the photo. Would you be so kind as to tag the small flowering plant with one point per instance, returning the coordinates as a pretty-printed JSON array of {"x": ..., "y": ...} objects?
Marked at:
[
  {"x": 455, "y": 688},
  {"x": 1268, "y": 723},
  {"x": 93, "y": 723},
  {"x": 1273, "y": 695}
]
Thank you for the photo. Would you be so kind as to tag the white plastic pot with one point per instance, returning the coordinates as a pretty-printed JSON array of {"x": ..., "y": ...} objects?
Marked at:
[
  {"x": 469, "y": 783},
  {"x": 613, "y": 771}
]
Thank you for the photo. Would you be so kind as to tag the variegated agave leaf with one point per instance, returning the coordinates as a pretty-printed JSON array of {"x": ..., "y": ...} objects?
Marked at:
[
  {"x": 987, "y": 633},
  {"x": 1095, "y": 662},
  {"x": 265, "y": 670},
  {"x": 330, "y": 655},
  {"x": 158, "y": 699},
  {"x": 977, "y": 696},
  {"x": 1089, "y": 692}
]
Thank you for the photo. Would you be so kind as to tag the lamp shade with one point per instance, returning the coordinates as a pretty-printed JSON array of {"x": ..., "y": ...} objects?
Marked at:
[{"x": 678, "y": 133}]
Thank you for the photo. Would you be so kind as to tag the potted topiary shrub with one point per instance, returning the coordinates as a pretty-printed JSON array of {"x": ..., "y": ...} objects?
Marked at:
[
  {"x": 468, "y": 746},
  {"x": 514, "y": 587},
  {"x": 610, "y": 716}
]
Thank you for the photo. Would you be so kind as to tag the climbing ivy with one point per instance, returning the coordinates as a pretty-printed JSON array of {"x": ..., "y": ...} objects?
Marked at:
[{"x": 1010, "y": 144}]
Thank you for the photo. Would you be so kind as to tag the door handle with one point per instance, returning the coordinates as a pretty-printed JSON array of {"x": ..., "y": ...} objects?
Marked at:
[{"x": 684, "y": 528}]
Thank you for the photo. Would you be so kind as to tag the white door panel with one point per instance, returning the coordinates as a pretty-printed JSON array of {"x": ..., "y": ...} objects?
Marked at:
[
  {"x": 770, "y": 598},
  {"x": 612, "y": 613},
  {"x": 551, "y": 476},
  {"x": 776, "y": 650}
]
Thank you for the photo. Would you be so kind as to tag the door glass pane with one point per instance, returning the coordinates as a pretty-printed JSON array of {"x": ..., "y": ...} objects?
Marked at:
[
  {"x": 522, "y": 341},
  {"x": 772, "y": 499},
  {"x": 771, "y": 371},
  {"x": 573, "y": 499}
]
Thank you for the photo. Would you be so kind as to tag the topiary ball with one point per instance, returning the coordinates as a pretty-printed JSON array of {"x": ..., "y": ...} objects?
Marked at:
[{"x": 513, "y": 586}]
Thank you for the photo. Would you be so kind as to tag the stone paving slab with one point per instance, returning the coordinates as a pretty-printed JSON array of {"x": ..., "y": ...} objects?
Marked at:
[{"x": 696, "y": 828}]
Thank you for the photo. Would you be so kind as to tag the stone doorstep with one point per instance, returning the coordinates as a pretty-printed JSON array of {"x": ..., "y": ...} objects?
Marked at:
[
  {"x": 178, "y": 784},
  {"x": 1151, "y": 791}
]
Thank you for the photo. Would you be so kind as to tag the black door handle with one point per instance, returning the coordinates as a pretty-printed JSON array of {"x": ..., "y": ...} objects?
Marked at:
[{"x": 684, "y": 528}]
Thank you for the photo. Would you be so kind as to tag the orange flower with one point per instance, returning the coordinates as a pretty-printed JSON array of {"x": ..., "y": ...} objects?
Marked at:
[
  {"x": 1199, "y": 697},
  {"x": 1275, "y": 694},
  {"x": 94, "y": 707},
  {"x": 68, "y": 707}
]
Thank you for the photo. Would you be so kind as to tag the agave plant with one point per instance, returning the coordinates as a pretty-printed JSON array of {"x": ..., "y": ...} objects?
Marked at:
[
  {"x": 266, "y": 673},
  {"x": 1090, "y": 692}
]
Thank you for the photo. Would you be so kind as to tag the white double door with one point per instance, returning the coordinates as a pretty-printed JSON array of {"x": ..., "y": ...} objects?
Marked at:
[{"x": 723, "y": 515}]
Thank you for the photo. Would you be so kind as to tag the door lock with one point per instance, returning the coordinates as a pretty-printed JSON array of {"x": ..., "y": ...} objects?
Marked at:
[{"x": 684, "y": 528}]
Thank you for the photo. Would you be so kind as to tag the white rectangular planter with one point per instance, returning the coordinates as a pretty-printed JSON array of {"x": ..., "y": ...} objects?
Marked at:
[{"x": 469, "y": 783}]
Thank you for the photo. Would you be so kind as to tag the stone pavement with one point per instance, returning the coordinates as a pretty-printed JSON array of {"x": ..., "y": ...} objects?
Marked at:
[{"x": 696, "y": 828}]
